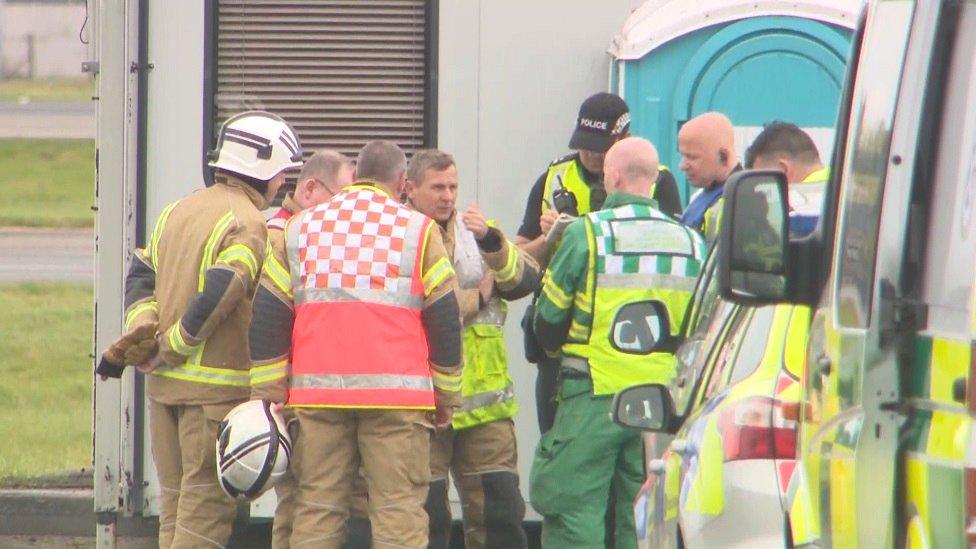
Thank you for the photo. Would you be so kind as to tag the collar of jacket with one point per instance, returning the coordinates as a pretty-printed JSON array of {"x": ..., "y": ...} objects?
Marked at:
[
  {"x": 381, "y": 187},
  {"x": 622, "y": 199},
  {"x": 289, "y": 203},
  {"x": 256, "y": 198}
]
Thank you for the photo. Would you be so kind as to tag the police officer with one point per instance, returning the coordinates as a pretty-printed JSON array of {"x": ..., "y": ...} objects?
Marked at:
[
  {"x": 479, "y": 450},
  {"x": 195, "y": 280},
  {"x": 611, "y": 307},
  {"x": 708, "y": 158},
  {"x": 573, "y": 184}
]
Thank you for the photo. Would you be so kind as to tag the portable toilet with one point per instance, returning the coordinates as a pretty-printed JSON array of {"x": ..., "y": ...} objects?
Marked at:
[{"x": 754, "y": 60}]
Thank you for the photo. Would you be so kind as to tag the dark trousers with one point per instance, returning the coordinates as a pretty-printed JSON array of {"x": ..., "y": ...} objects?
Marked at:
[{"x": 546, "y": 385}]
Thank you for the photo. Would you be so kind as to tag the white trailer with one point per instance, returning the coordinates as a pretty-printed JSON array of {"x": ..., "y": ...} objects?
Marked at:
[{"x": 497, "y": 83}]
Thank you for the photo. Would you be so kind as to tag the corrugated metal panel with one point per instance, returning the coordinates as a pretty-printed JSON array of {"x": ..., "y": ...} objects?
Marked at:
[{"x": 342, "y": 72}]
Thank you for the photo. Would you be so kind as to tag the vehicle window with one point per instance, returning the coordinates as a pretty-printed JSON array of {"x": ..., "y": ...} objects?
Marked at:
[
  {"x": 693, "y": 355},
  {"x": 946, "y": 284},
  {"x": 723, "y": 360},
  {"x": 704, "y": 300},
  {"x": 753, "y": 345},
  {"x": 862, "y": 180}
]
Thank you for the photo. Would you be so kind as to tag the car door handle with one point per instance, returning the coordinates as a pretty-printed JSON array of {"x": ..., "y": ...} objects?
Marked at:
[
  {"x": 679, "y": 446},
  {"x": 656, "y": 466},
  {"x": 824, "y": 364}
]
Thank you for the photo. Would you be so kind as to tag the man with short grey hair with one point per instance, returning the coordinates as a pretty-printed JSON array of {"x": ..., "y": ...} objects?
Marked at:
[{"x": 375, "y": 355}]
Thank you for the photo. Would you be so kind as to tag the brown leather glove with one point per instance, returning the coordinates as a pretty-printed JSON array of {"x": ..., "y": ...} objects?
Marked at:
[{"x": 136, "y": 346}]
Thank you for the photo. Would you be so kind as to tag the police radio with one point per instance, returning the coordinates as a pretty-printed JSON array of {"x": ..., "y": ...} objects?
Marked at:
[{"x": 564, "y": 201}]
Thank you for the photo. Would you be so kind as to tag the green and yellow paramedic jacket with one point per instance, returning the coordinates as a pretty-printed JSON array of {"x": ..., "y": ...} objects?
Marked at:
[
  {"x": 613, "y": 271},
  {"x": 197, "y": 276},
  {"x": 487, "y": 391}
]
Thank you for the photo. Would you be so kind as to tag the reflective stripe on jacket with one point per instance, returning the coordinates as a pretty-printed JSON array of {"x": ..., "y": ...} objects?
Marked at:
[{"x": 358, "y": 340}]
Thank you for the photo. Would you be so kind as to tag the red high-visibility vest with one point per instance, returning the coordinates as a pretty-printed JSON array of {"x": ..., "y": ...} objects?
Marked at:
[{"x": 358, "y": 340}]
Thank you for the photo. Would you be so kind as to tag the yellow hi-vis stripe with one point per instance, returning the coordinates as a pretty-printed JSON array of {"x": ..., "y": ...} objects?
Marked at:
[
  {"x": 136, "y": 310},
  {"x": 555, "y": 294},
  {"x": 582, "y": 302},
  {"x": 438, "y": 273},
  {"x": 242, "y": 254},
  {"x": 507, "y": 273},
  {"x": 269, "y": 372},
  {"x": 278, "y": 274},
  {"x": 175, "y": 338},
  {"x": 208, "y": 252},
  {"x": 446, "y": 382},
  {"x": 158, "y": 232},
  {"x": 206, "y": 374}
]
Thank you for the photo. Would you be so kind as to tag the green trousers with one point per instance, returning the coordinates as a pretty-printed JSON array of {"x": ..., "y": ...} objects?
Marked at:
[{"x": 574, "y": 465}]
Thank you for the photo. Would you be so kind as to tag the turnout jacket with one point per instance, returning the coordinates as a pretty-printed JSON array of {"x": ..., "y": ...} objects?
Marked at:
[{"x": 197, "y": 277}]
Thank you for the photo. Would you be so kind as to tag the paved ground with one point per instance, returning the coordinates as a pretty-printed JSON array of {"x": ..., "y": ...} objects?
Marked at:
[
  {"x": 44, "y": 120},
  {"x": 66, "y": 255}
]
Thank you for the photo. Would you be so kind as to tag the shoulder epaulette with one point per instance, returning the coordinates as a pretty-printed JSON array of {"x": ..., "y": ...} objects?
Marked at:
[{"x": 565, "y": 158}]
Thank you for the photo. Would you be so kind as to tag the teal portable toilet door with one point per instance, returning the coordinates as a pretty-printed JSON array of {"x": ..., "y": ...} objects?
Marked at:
[{"x": 763, "y": 69}]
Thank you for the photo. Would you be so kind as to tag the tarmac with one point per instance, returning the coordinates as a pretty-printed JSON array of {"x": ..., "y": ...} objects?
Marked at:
[
  {"x": 46, "y": 255},
  {"x": 48, "y": 120}
]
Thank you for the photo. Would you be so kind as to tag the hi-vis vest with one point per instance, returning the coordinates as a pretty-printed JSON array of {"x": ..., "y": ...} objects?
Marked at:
[
  {"x": 487, "y": 391},
  {"x": 639, "y": 258},
  {"x": 358, "y": 340},
  {"x": 565, "y": 172}
]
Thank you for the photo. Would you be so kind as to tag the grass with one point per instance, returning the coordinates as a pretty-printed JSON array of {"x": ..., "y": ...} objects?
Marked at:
[
  {"x": 47, "y": 182},
  {"x": 47, "y": 89},
  {"x": 45, "y": 379}
]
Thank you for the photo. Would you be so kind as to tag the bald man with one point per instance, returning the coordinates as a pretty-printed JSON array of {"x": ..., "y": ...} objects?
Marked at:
[
  {"x": 611, "y": 308},
  {"x": 708, "y": 158}
]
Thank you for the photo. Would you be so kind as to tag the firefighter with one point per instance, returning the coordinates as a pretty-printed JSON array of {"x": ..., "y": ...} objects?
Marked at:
[
  {"x": 322, "y": 176},
  {"x": 376, "y": 355},
  {"x": 573, "y": 185},
  {"x": 708, "y": 158},
  {"x": 611, "y": 307},
  {"x": 479, "y": 450},
  {"x": 195, "y": 280}
]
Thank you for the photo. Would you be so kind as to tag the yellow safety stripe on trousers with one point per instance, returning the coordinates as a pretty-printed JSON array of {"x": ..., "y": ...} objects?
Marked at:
[
  {"x": 136, "y": 310},
  {"x": 216, "y": 235},
  {"x": 278, "y": 275},
  {"x": 158, "y": 232},
  {"x": 269, "y": 372},
  {"x": 446, "y": 382},
  {"x": 439, "y": 272},
  {"x": 206, "y": 374},
  {"x": 554, "y": 293},
  {"x": 508, "y": 272},
  {"x": 241, "y": 254},
  {"x": 175, "y": 338}
]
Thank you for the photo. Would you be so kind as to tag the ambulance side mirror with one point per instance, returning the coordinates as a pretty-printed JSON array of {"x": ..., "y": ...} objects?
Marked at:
[
  {"x": 753, "y": 261},
  {"x": 646, "y": 407}
]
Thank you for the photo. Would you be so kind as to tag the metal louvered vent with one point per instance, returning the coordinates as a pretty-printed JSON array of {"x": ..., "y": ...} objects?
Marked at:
[{"x": 341, "y": 72}]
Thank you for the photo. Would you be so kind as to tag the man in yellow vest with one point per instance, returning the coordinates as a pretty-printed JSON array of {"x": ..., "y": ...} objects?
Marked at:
[
  {"x": 573, "y": 184},
  {"x": 612, "y": 307},
  {"x": 785, "y": 147},
  {"x": 479, "y": 450},
  {"x": 323, "y": 175},
  {"x": 195, "y": 281},
  {"x": 708, "y": 158}
]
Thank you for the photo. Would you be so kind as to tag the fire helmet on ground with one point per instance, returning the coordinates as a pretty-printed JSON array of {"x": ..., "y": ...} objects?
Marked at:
[
  {"x": 253, "y": 450},
  {"x": 257, "y": 144}
]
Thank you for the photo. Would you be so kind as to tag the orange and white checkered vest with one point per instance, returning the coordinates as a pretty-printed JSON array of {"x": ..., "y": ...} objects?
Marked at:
[{"x": 358, "y": 340}]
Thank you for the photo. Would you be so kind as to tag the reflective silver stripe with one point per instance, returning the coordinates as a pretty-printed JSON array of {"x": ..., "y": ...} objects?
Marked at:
[
  {"x": 480, "y": 400},
  {"x": 493, "y": 315},
  {"x": 326, "y": 295},
  {"x": 645, "y": 280},
  {"x": 361, "y": 381},
  {"x": 576, "y": 363}
]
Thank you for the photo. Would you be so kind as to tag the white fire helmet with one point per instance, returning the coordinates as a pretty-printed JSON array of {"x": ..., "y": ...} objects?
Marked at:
[
  {"x": 256, "y": 144},
  {"x": 253, "y": 450}
]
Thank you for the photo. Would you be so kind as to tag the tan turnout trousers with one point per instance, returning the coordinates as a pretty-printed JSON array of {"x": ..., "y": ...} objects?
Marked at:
[
  {"x": 393, "y": 448},
  {"x": 194, "y": 511}
]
